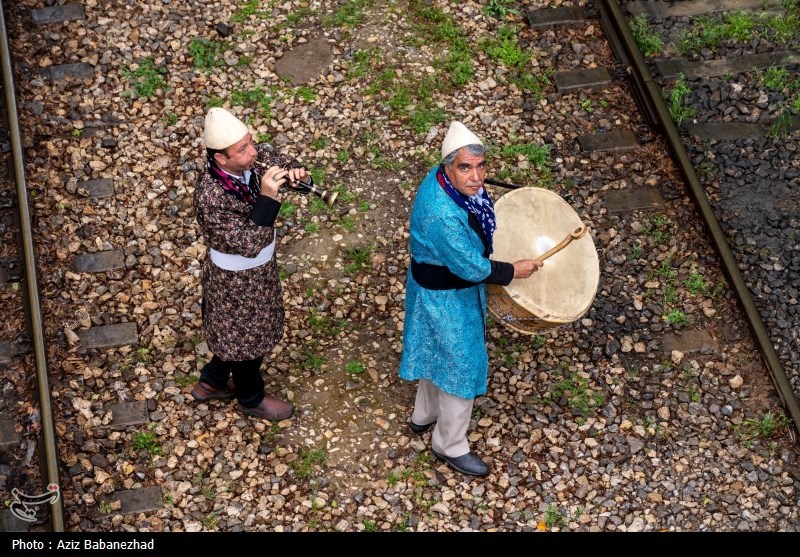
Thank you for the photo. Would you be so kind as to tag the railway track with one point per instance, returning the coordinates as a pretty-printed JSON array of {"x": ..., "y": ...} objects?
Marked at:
[
  {"x": 730, "y": 195},
  {"x": 685, "y": 170}
]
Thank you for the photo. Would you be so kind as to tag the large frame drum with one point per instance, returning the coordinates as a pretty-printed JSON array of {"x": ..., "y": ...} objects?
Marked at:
[{"x": 531, "y": 221}]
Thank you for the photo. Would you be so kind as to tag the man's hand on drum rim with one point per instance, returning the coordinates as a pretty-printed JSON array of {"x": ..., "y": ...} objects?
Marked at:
[{"x": 524, "y": 268}]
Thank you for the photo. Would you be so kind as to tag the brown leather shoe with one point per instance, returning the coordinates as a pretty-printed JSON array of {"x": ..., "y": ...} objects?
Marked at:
[
  {"x": 203, "y": 392},
  {"x": 270, "y": 408}
]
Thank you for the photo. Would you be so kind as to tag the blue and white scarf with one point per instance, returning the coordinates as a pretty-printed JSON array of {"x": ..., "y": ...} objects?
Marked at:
[{"x": 479, "y": 205}]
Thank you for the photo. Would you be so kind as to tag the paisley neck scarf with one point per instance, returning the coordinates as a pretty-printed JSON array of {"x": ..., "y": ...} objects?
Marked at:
[
  {"x": 241, "y": 190},
  {"x": 479, "y": 205}
]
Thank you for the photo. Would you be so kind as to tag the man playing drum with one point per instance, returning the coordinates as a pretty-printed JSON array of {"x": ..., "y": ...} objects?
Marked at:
[{"x": 452, "y": 223}]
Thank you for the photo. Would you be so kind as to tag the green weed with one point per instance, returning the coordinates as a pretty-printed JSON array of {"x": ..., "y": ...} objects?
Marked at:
[
  {"x": 302, "y": 14},
  {"x": 505, "y": 49},
  {"x": 256, "y": 96},
  {"x": 147, "y": 78},
  {"x": 311, "y": 360},
  {"x": 146, "y": 440},
  {"x": 649, "y": 42},
  {"x": 365, "y": 60},
  {"x": 349, "y": 14},
  {"x": 676, "y": 317},
  {"x": 320, "y": 142},
  {"x": 248, "y": 9},
  {"x": 500, "y": 9},
  {"x": 207, "y": 54},
  {"x": 552, "y": 517},
  {"x": 358, "y": 257},
  {"x": 309, "y": 458},
  {"x": 354, "y": 367},
  {"x": 211, "y": 520},
  {"x": 695, "y": 283},
  {"x": 348, "y": 223},
  {"x": 765, "y": 427},
  {"x": 659, "y": 228},
  {"x": 678, "y": 108},
  {"x": 536, "y": 155},
  {"x": 580, "y": 396},
  {"x": 287, "y": 209},
  {"x": 306, "y": 94},
  {"x": 779, "y": 79},
  {"x": 782, "y": 125},
  {"x": 185, "y": 380}
]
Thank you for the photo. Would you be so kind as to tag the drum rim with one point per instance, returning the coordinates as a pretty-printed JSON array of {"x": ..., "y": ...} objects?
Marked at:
[{"x": 536, "y": 309}]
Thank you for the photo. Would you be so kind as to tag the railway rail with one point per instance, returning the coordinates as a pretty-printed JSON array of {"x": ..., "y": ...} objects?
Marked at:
[
  {"x": 689, "y": 185},
  {"x": 43, "y": 506}
]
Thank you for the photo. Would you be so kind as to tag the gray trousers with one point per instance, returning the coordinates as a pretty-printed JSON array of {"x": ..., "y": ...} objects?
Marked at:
[{"x": 451, "y": 414}]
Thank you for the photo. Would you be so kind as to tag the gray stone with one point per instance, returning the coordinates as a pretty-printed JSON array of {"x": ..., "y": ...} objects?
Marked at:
[
  {"x": 9, "y": 522},
  {"x": 103, "y": 187},
  {"x": 555, "y": 16},
  {"x": 66, "y": 71},
  {"x": 8, "y": 433},
  {"x": 614, "y": 140},
  {"x": 724, "y": 130},
  {"x": 146, "y": 499},
  {"x": 690, "y": 341},
  {"x": 106, "y": 336},
  {"x": 305, "y": 63},
  {"x": 129, "y": 413},
  {"x": 581, "y": 79},
  {"x": 99, "y": 261},
  {"x": 57, "y": 14},
  {"x": 723, "y": 66},
  {"x": 632, "y": 199},
  {"x": 7, "y": 352}
]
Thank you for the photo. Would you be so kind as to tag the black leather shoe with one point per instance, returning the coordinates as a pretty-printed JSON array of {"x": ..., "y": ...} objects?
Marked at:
[
  {"x": 419, "y": 428},
  {"x": 468, "y": 464}
]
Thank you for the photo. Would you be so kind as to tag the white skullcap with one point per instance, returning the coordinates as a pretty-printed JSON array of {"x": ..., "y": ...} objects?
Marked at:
[
  {"x": 223, "y": 129},
  {"x": 458, "y": 136}
]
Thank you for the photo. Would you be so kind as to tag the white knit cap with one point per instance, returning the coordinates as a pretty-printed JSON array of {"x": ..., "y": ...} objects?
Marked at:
[
  {"x": 458, "y": 136},
  {"x": 223, "y": 129}
]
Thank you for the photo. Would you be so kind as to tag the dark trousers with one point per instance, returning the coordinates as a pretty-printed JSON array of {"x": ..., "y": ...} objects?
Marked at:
[{"x": 246, "y": 377}]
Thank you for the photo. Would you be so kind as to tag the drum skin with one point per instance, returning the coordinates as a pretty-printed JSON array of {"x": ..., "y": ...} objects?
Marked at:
[{"x": 530, "y": 221}]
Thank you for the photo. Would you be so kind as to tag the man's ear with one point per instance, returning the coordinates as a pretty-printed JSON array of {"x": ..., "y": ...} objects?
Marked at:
[{"x": 220, "y": 158}]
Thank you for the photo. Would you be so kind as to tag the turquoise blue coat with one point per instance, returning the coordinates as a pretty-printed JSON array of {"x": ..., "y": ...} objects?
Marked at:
[{"x": 444, "y": 330}]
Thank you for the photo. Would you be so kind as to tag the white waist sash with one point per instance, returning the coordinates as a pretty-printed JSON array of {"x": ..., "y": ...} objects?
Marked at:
[{"x": 232, "y": 262}]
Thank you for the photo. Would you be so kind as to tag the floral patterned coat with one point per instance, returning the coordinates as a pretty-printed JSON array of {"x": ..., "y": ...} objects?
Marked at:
[{"x": 243, "y": 314}]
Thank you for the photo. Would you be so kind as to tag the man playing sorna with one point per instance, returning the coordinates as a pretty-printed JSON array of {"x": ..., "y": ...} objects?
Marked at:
[{"x": 243, "y": 315}]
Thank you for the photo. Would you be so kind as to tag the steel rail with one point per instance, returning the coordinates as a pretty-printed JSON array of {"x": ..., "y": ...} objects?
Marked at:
[
  {"x": 33, "y": 312},
  {"x": 625, "y": 47}
]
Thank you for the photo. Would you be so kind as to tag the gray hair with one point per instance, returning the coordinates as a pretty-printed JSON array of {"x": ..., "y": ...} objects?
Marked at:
[{"x": 475, "y": 149}]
